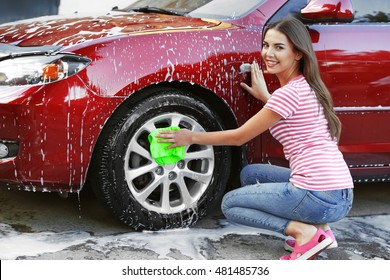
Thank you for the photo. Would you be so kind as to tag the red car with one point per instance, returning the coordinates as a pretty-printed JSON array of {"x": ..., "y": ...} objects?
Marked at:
[{"x": 79, "y": 96}]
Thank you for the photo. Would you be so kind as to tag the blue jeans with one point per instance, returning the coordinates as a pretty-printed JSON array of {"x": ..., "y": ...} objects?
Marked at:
[{"x": 268, "y": 200}]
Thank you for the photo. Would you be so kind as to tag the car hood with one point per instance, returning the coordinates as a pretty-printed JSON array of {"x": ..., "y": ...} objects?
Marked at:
[{"x": 68, "y": 31}]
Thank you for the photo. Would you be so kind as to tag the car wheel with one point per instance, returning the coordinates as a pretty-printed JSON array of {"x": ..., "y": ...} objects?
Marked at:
[{"x": 142, "y": 193}]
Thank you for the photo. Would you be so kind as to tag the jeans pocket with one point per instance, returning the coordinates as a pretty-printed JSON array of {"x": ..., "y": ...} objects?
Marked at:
[
  {"x": 314, "y": 210},
  {"x": 348, "y": 194},
  {"x": 348, "y": 197}
]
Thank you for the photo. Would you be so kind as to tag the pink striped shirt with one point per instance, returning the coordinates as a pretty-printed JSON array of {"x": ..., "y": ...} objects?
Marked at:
[{"x": 315, "y": 159}]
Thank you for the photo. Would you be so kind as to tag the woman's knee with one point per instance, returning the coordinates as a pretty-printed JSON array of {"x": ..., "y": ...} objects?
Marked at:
[
  {"x": 232, "y": 199},
  {"x": 225, "y": 202}
]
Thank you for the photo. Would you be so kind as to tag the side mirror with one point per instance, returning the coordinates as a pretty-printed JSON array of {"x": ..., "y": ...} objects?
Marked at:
[{"x": 328, "y": 11}]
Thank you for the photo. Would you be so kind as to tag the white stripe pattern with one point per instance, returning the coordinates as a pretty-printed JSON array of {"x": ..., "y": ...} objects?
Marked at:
[{"x": 314, "y": 157}]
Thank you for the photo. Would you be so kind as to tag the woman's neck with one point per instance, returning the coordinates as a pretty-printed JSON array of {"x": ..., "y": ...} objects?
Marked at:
[{"x": 285, "y": 79}]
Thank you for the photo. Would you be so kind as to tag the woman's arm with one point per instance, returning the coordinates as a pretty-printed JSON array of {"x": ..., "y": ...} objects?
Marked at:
[{"x": 256, "y": 125}]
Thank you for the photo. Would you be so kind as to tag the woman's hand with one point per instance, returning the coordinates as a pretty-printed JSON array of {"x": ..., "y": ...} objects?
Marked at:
[
  {"x": 182, "y": 137},
  {"x": 259, "y": 88}
]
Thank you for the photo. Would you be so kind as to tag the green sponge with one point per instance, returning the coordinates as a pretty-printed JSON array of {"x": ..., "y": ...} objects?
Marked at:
[{"x": 159, "y": 151}]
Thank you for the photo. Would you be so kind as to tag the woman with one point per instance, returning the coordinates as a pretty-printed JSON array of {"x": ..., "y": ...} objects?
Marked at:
[{"x": 301, "y": 201}]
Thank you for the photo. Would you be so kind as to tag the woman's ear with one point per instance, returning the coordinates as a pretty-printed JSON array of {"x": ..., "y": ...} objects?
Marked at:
[{"x": 298, "y": 56}]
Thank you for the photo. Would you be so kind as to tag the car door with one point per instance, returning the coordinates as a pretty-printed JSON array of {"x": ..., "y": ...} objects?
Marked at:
[
  {"x": 356, "y": 67},
  {"x": 354, "y": 59}
]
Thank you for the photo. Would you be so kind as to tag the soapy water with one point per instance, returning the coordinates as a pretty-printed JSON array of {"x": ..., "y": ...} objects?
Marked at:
[{"x": 190, "y": 242}]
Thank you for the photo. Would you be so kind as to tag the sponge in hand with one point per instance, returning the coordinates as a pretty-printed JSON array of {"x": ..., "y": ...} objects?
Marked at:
[{"x": 159, "y": 151}]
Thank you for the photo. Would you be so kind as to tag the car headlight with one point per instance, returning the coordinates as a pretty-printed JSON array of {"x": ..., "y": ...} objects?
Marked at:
[{"x": 33, "y": 70}]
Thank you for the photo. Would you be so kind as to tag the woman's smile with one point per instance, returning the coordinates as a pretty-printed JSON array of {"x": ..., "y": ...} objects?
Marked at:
[{"x": 271, "y": 63}]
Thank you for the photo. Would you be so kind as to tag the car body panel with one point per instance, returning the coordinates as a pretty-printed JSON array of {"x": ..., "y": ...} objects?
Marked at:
[
  {"x": 358, "y": 77},
  {"x": 76, "y": 30}
]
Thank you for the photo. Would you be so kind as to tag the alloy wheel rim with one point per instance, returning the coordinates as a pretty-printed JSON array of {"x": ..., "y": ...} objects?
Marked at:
[{"x": 168, "y": 189}]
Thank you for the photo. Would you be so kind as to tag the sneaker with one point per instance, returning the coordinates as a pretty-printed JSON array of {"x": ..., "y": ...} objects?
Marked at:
[
  {"x": 311, "y": 249},
  {"x": 290, "y": 243}
]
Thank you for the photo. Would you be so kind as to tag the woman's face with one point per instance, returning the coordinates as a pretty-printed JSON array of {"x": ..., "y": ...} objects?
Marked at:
[{"x": 279, "y": 56}]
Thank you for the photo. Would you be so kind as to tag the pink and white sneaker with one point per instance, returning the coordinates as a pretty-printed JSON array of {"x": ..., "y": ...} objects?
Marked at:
[
  {"x": 310, "y": 250},
  {"x": 290, "y": 243}
]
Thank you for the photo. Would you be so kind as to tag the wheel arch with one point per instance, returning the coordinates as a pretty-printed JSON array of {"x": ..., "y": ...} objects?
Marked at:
[{"x": 209, "y": 97}]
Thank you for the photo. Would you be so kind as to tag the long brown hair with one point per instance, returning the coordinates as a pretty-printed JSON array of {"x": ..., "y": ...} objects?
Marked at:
[{"x": 299, "y": 36}]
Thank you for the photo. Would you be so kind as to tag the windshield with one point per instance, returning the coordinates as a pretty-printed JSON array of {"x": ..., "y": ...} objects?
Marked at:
[{"x": 219, "y": 9}]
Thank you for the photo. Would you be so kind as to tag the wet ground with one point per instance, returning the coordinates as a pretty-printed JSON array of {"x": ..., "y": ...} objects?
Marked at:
[{"x": 48, "y": 227}]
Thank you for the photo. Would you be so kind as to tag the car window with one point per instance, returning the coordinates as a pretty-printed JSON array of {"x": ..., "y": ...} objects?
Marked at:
[
  {"x": 371, "y": 11},
  {"x": 179, "y": 6},
  {"x": 220, "y": 9},
  {"x": 226, "y": 9}
]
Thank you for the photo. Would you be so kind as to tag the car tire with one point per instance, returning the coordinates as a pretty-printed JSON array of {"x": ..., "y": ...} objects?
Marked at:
[{"x": 143, "y": 194}]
